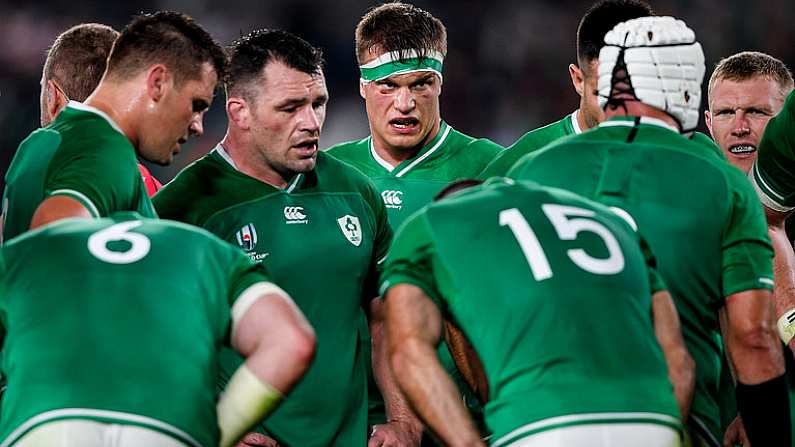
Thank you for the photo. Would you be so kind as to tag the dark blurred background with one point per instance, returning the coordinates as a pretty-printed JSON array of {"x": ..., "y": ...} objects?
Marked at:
[{"x": 506, "y": 71}]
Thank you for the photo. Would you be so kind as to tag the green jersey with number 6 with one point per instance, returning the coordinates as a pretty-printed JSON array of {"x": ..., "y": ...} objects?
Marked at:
[
  {"x": 541, "y": 263},
  {"x": 83, "y": 155},
  {"x": 321, "y": 238},
  {"x": 118, "y": 320},
  {"x": 699, "y": 214}
]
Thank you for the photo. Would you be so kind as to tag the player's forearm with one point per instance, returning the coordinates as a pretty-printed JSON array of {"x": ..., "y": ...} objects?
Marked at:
[
  {"x": 784, "y": 292},
  {"x": 751, "y": 340},
  {"x": 397, "y": 407},
  {"x": 681, "y": 367},
  {"x": 432, "y": 393}
]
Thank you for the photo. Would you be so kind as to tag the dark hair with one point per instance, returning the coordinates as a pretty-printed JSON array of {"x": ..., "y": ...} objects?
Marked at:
[
  {"x": 166, "y": 37},
  {"x": 77, "y": 58},
  {"x": 750, "y": 64},
  {"x": 458, "y": 185},
  {"x": 600, "y": 18},
  {"x": 251, "y": 53},
  {"x": 399, "y": 27}
]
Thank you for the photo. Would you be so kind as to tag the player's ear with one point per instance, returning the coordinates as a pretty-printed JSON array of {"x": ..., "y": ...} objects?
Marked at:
[
  {"x": 577, "y": 78},
  {"x": 56, "y": 100},
  {"x": 361, "y": 89},
  {"x": 158, "y": 79},
  {"x": 238, "y": 111},
  {"x": 708, "y": 120}
]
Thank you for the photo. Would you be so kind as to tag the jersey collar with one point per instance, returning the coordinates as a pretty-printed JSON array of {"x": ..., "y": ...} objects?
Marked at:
[
  {"x": 575, "y": 125},
  {"x": 291, "y": 186},
  {"x": 406, "y": 166},
  {"x": 629, "y": 121},
  {"x": 87, "y": 108}
]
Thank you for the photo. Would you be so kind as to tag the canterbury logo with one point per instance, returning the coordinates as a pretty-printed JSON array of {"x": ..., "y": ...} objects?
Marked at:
[
  {"x": 392, "y": 198},
  {"x": 295, "y": 214}
]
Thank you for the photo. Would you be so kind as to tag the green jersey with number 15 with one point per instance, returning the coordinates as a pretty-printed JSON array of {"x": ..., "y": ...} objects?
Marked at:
[{"x": 543, "y": 263}]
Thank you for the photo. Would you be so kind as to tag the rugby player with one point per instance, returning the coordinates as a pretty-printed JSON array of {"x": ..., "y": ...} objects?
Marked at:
[
  {"x": 411, "y": 153},
  {"x": 715, "y": 262},
  {"x": 538, "y": 262},
  {"x": 159, "y": 81},
  {"x": 95, "y": 360},
  {"x": 600, "y": 18},
  {"x": 318, "y": 225}
]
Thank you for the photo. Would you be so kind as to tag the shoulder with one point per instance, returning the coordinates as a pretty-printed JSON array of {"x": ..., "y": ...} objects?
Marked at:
[
  {"x": 353, "y": 152},
  {"x": 543, "y": 135},
  {"x": 191, "y": 194}
]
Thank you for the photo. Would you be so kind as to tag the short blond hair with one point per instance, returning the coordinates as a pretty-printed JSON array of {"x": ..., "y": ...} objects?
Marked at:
[{"x": 751, "y": 64}]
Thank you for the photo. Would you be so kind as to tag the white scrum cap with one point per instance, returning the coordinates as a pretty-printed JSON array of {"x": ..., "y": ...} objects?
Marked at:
[{"x": 658, "y": 61}]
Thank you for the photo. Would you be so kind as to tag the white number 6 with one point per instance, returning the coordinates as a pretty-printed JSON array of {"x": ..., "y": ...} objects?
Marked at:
[{"x": 139, "y": 244}]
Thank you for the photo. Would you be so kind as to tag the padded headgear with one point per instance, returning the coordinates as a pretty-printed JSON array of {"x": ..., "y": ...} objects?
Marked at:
[{"x": 657, "y": 61}]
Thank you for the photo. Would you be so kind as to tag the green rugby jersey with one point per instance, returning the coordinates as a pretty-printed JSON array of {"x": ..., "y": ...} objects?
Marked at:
[
  {"x": 450, "y": 156},
  {"x": 543, "y": 263},
  {"x": 699, "y": 214},
  {"x": 531, "y": 142},
  {"x": 321, "y": 238},
  {"x": 118, "y": 320},
  {"x": 773, "y": 174},
  {"x": 83, "y": 154}
]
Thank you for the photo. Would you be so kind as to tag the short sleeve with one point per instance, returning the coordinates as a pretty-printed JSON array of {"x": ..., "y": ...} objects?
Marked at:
[
  {"x": 747, "y": 254},
  {"x": 773, "y": 174},
  {"x": 410, "y": 259},
  {"x": 96, "y": 177}
]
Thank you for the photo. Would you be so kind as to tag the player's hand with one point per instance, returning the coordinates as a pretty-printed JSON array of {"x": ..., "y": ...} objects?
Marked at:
[
  {"x": 735, "y": 434},
  {"x": 395, "y": 434},
  {"x": 257, "y": 440}
]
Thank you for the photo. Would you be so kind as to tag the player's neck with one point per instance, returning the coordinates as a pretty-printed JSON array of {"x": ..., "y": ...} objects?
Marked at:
[
  {"x": 637, "y": 108},
  {"x": 397, "y": 155},
  {"x": 114, "y": 103},
  {"x": 249, "y": 161}
]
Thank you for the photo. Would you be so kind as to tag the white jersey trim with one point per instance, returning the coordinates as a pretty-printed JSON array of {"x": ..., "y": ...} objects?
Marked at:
[
  {"x": 87, "y": 108},
  {"x": 385, "y": 164},
  {"x": 427, "y": 154},
  {"x": 250, "y": 296},
  {"x": 766, "y": 194},
  {"x": 643, "y": 120},
  {"x": 583, "y": 419},
  {"x": 80, "y": 197},
  {"x": 225, "y": 155},
  {"x": 77, "y": 413},
  {"x": 574, "y": 123}
]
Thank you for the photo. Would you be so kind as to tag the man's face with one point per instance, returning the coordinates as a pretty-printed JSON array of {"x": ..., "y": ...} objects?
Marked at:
[
  {"x": 178, "y": 115},
  {"x": 738, "y": 114},
  {"x": 585, "y": 81},
  {"x": 287, "y": 116},
  {"x": 403, "y": 109}
]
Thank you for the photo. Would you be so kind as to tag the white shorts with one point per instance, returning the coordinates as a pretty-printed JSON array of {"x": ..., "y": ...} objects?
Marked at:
[
  {"x": 604, "y": 435},
  {"x": 87, "y": 433}
]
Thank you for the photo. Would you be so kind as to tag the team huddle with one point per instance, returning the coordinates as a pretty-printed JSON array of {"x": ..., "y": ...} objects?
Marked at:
[{"x": 611, "y": 279}]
